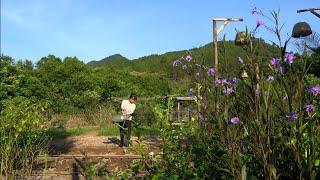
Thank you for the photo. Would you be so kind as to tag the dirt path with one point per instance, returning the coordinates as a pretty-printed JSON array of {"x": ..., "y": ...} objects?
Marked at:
[
  {"x": 91, "y": 144},
  {"x": 64, "y": 155}
]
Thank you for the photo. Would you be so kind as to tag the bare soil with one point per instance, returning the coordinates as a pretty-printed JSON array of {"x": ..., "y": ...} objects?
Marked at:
[{"x": 65, "y": 154}]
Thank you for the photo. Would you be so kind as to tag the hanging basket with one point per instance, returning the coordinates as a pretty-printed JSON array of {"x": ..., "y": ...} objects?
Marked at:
[
  {"x": 241, "y": 38},
  {"x": 301, "y": 29}
]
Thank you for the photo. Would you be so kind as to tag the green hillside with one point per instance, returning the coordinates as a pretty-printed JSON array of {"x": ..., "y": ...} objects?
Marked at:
[
  {"x": 116, "y": 60},
  {"x": 203, "y": 55}
]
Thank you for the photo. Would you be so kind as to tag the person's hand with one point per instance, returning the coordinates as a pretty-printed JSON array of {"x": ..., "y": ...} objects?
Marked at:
[{"x": 124, "y": 111}]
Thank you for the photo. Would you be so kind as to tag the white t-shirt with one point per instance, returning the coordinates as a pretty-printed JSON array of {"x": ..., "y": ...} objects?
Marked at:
[{"x": 127, "y": 109}]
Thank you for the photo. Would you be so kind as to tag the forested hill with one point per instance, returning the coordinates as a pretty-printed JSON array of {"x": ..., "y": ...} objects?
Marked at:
[
  {"x": 204, "y": 54},
  {"x": 116, "y": 60}
]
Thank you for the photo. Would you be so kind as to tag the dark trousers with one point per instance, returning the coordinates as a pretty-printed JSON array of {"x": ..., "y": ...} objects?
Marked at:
[{"x": 125, "y": 135}]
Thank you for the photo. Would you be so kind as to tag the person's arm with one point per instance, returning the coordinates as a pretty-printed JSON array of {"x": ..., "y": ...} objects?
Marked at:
[{"x": 123, "y": 107}]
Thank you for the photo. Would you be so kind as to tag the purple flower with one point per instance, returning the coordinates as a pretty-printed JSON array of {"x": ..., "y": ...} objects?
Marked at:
[
  {"x": 189, "y": 58},
  {"x": 270, "y": 78},
  {"x": 234, "y": 120},
  {"x": 185, "y": 67},
  {"x": 292, "y": 116},
  {"x": 228, "y": 90},
  {"x": 211, "y": 71},
  {"x": 233, "y": 81},
  {"x": 201, "y": 119},
  {"x": 175, "y": 63},
  {"x": 315, "y": 90},
  {"x": 254, "y": 10},
  {"x": 285, "y": 98},
  {"x": 190, "y": 91},
  {"x": 224, "y": 81},
  {"x": 217, "y": 82},
  {"x": 280, "y": 71},
  {"x": 260, "y": 22},
  {"x": 289, "y": 58},
  {"x": 190, "y": 110},
  {"x": 275, "y": 62},
  {"x": 240, "y": 60},
  {"x": 308, "y": 107}
]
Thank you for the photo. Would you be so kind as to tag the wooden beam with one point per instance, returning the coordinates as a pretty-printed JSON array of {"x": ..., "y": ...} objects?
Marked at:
[
  {"x": 109, "y": 156},
  {"x": 222, "y": 26},
  {"x": 192, "y": 98},
  {"x": 312, "y": 10},
  {"x": 315, "y": 13},
  {"x": 309, "y": 9},
  {"x": 227, "y": 19}
]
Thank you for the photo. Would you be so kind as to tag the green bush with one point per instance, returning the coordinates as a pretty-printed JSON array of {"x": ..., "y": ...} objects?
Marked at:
[{"x": 20, "y": 140}]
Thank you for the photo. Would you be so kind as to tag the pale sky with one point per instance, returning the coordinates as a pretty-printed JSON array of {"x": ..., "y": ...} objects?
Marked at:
[{"x": 92, "y": 30}]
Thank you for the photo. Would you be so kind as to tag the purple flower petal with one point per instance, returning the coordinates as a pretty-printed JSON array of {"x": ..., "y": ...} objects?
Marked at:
[
  {"x": 292, "y": 116},
  {"x": 260, "y": 22},
  {"x": 289, "y": 58},
  {"x": 228, "y": 90},
  {"x": 240, "y": 60},
  {"x": 254, "y": 11},
  {"x": 211, "y": 71},
  {"x": 175, "y": 63},
  {"x": 185, "y": 67},
  {"x": 275, "y": 62},
  {"x": 233, "y": 81},
  {"x": 280, "y": 71},
  {"x": 188, "y": 58},
  {"x": 201, "y": 119},
  {"x": 315, "y": 90},
  {"x": 234, "y": 120},
  {"x": 224, "y": 81},
  {"x": 270, "y": 78},
  {"x": 190, "y": 91},
  {"x": 217, "y": 82},
  {"x": 308, "y": 107},
  {"x": 285, "y": 98}
]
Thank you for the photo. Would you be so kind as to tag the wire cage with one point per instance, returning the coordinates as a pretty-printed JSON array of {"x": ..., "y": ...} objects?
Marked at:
[
  {"x": 313, "y": 42},
  {"x": 184, "y": 109}
]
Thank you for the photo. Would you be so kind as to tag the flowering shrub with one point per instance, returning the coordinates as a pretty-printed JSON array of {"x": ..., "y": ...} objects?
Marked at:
[{"x": 263, "y": 126}]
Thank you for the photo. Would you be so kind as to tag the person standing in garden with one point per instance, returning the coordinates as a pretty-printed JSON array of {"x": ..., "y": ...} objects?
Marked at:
[{"x": 128, "y": 109}]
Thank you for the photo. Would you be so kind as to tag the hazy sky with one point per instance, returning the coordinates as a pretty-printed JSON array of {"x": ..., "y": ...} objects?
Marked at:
[{"x": 94, "y": 29}]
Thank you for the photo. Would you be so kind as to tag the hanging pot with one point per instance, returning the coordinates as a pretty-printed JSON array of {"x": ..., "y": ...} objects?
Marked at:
[
  {"x": 301, "y": 29},
  {"x": 241, "y": 38}
]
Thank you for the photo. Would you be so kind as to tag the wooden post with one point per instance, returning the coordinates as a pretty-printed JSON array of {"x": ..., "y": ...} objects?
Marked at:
[
  {"x": 216, "y": 31},
  {"x": 178, "y": 110},
  {"x": 215, "y": 46}
]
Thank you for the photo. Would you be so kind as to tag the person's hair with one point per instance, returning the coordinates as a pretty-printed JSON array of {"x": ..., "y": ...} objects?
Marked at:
[{"x": 133, "y": 96}]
